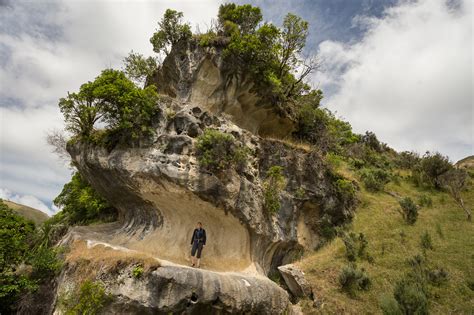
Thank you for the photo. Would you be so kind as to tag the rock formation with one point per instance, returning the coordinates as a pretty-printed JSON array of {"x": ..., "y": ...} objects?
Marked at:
[{"x": 161, "y": 191}]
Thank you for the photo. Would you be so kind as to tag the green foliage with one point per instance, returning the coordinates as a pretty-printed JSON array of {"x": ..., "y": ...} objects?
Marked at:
[
  {"x": 371, "y": 141},
  {"x": 15, "y": 242},
  {"x": 411, "y": 297},
  {"x": 374, "y": 179},
  {"x": 272, "y": 188},
  {"x": 218, "y": 151},
  {"x": 345, "y": 190},
  {"x": 90, "y": 298},
  {"x": 171, "y": 30},
  {"x": 430, "y": 168},
  {"x": 137, "y": 272},
  {"x": 114, "y": 100},
  {"x": 425, "y": 241},
  {"x": 352, "y": 279},
  {"x": 409, "y": 210},
  {"x": 355, "y": 246},
  {"x": 407, "y": 159},
  {"x": 139, "y": 68},
  {"x": 389, "y": 305},
  {"x": 81, "y": 204},
  {"x": 45, "y": 262},
  {"x": 425, "y": 201},
  {"x": 244, "y": 18}
]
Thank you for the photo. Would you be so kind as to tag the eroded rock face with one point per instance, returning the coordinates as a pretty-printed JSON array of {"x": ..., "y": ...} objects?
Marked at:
[
  {"x": 198, "y": 75},
  {"x": 161, "y": 192}
]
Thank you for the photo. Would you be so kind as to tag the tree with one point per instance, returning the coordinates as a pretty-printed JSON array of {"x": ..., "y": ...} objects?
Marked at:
[
  {"x": 232, "y": 17},
  {"x": 455, "y": 181},
  {"x": 58, "y": 140},
  {"x": 139, "y": 68},
  {"x": 15, "y": 237},
  {"x": 171, "y": 30},
  {"x": 432, "y": 166},
  {"x": 80, "y": 203},
  {"x": 293, "y": 40},
  {"x": 114, "y": 100}
]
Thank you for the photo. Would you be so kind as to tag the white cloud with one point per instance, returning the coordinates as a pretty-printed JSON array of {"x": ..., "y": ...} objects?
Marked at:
[
  {"x": 48, "y": 49},
  {"x": 26, "y": 200},
  {"x": 409, "y": 79}
]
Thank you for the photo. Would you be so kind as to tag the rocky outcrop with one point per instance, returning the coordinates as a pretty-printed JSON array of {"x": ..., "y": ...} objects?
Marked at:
[
  {"x": 199, "y": 75},
  {"x": 295, "y": 281}
]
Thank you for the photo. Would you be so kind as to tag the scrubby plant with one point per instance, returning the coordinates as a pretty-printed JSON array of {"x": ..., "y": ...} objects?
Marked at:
[
  {"x": 411, "y": 297},
  {"x": 137, "y": 271},
  {"x": 430, "y": 168},
  {"x": 409, "y": 210},
  {"x": 455, "y": 181},
  {"x": 438, "y": 276},
  {"x": 356, "y": 246},
  {"x": 89, "y": 298},
  {"x": 389, "y": 305},
  {"x": 425, "y": 241},
  {"x": 218, "y": 151},
  {"x": 352, "y": 279},
  {"x": 274, "y": 183},
  {"x": 425, "y": 201},
  {"x": 374, "y": 179},
  {"x": 407, "y": 159}
]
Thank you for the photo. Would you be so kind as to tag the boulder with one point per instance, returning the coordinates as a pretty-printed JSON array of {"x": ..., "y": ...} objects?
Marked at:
[{"x": 296, "y": 282}]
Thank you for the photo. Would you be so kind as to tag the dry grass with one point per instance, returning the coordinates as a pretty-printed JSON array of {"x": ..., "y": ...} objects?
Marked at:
[
  {"x": 378, "y": 218},
  {"x": 292, "y": 143},
  {"x": 87, "y": 262}
]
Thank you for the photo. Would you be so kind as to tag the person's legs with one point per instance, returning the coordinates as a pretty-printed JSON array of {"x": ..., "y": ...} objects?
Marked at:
[
  {"x": 193, "y": 252},
  {"x": 199, "y": 251}
]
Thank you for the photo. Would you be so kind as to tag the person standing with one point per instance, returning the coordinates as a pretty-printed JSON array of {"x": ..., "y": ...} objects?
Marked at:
[{"x": 198, "y": 241}]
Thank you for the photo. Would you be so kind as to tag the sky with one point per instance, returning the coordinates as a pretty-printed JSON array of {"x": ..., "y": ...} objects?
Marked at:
[{"x": 400, "y": 68}]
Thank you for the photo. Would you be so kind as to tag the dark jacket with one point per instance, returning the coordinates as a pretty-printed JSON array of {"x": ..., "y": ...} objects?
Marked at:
[{"x": 199, "y": 236}]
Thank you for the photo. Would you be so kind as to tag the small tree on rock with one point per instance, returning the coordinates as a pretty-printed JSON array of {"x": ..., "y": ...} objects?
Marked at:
[{"x": 171, "y": 30}]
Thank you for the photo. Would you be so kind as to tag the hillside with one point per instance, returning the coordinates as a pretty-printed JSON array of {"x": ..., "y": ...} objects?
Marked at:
[
  {"x": 391, "y": 243},
  {"x": 35, "y": 215}
]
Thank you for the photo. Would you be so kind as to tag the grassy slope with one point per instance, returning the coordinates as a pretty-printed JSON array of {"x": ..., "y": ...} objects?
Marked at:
[
  {"x": 32, "y": 214},
  {"x": 378, "y": 218}
]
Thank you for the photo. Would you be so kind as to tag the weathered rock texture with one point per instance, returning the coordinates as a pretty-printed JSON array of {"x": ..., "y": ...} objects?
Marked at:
[
  {"x": 296, "y": 282},
  {"x": 161, "y": 191},
  {"x": 199, "y": 75}
]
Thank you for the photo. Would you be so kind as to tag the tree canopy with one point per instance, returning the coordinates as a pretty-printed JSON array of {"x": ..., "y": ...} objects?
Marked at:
[
  {"x": 171, "y": 30},
  {"x": 112, "y": 99}
]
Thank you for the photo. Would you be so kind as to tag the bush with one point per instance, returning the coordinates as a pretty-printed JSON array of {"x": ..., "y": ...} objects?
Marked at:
[
  {"x": 351, "y": 279},
  {"x": 356, "y": 246},
  {"x": 430, "y": 168},
  {"x": 374, "y": 179},
  {"x": 218, "y": 151},
  {"x": 273, "y": 185},
  {"x": 407, "y": 159},
  {"x": 81, "y": 204},
  {"x": 389, "y": 305},
  {"x": 45, "y": 262},
  {"x": 139, "y": 68},
  {"x": 425, "y": 201},
  {"x": 171, "y": 31},
  {"x": 411, "y": 297},
  {"x": 437, "y": 276},
  {"x": 426, "y": 242},
  {"x": 137, "y": 272},
  {"x": 409, "y": 210},
  {"x": 90, "y": 298}
]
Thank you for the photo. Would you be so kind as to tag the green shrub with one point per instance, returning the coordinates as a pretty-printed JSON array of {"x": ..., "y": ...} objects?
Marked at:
[
  {"x": 351, "y": 279},
  {"x": 81, "y": 204},
  {"x": 411, "y": 297},
  {"x": 374, "y": 179},
  {"x": 437, "y": 276},
  {"x": 356, "y": 246},
  {"x": 389, "y": 305},
  {"x": 171, "y": 30},
  {"x": 45, "y": 262},
  {"x": 409, "y": 210},
  {"x": 345, "y": 189},
  {"x": 430, "y": 168},
  {"x": 426, "y": 242},
  {"x": 90, "y": 298},
  {"x": 425, "y": 201},
  {"x": 407, "y": 159},
  {"x": 137, "y": 272},
  {"x": 218, "y": 151},
  {"x": 272, "y": 188}
]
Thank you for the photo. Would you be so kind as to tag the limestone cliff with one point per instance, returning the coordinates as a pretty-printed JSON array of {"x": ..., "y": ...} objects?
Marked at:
[{"x": 161, "y": 191}]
